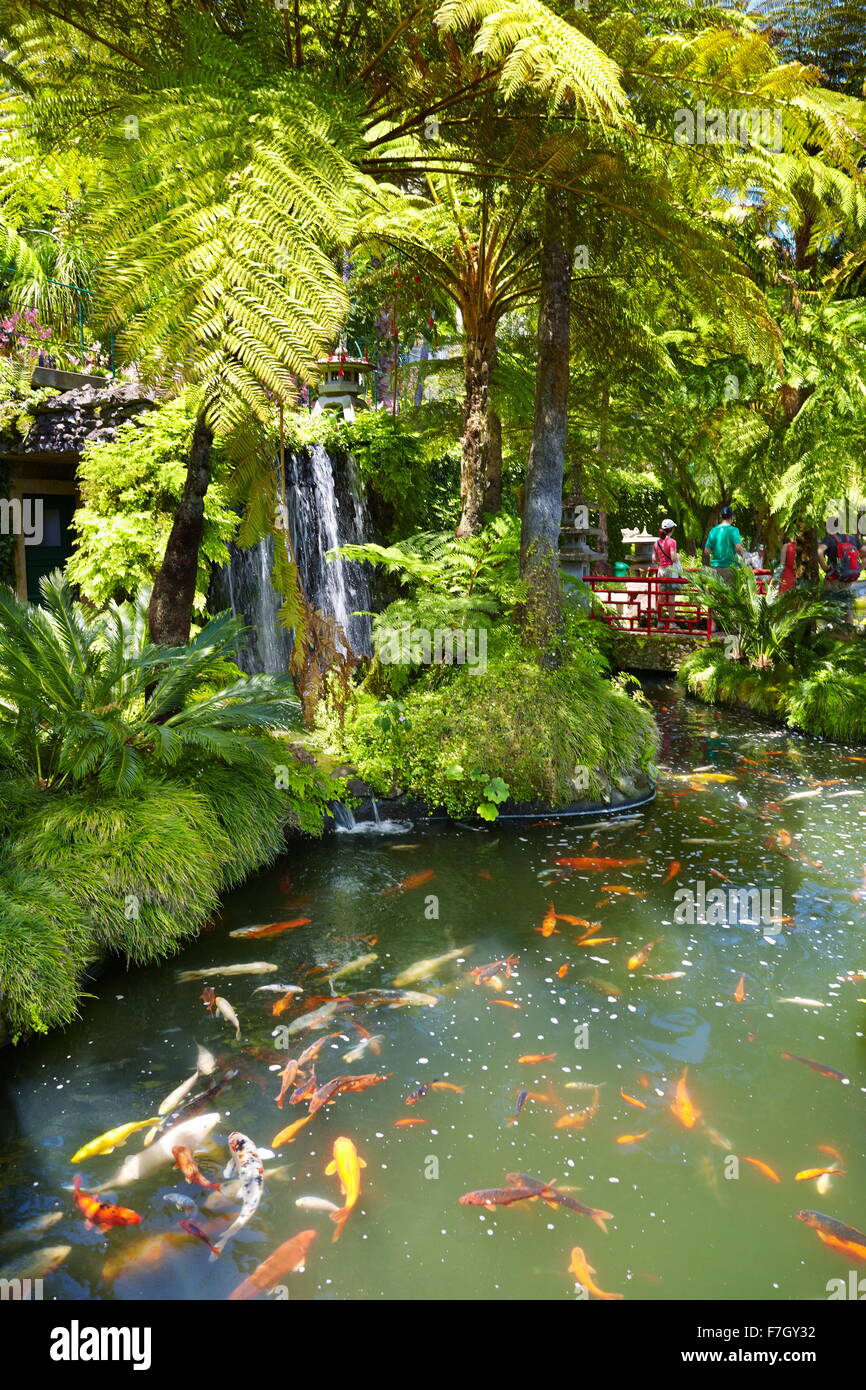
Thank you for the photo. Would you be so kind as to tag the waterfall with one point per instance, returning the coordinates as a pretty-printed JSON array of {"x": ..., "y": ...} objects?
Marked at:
[
  {"x": 244, "y": 585},
  {"x": 325, "y": 510}
]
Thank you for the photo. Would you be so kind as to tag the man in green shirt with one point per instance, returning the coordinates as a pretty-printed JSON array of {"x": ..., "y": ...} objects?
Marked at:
[{"x": 723, "y": 546}]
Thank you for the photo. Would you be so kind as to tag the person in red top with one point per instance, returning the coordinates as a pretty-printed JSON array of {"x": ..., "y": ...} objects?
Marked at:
[
  {"x": 666, "y": 562},
  {"x": 789, "y": 566}
]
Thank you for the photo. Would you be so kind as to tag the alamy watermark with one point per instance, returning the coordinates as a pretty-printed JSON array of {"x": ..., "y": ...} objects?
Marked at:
[
  {"x": 843, "y": 519},
  {"x": 19, "y": 518},
  {"x": 441, "y": 646},
  {"x": 710, "y": 125},
  {"x": 727, "y": 906}
]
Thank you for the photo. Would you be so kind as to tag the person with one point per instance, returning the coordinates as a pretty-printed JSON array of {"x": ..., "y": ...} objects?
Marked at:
[
  {"x": 667, "y": 565},
  {"x": 789, "y": 566},
  {"x": 722, "y": 547}
]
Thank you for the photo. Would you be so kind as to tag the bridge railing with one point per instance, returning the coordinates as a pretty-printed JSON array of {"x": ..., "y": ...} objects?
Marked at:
[{"x": 654, "y": 604}]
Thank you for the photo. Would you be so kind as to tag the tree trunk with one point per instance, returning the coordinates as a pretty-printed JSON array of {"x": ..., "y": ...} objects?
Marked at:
[
  {"x": 481, "y": 463},
  {"x": 542, "y": 510},
  {"x": 169, "y": 615}
]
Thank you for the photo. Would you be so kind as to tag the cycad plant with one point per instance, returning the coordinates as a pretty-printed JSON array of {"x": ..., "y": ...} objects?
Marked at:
[
  {"x": 770, "y": 627},
  {"x": 87, "y": 698},
  {"x": 136, "y": 784}
]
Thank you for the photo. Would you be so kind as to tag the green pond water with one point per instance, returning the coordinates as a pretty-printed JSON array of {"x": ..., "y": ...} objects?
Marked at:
[{"x": 681, "y": 1228}]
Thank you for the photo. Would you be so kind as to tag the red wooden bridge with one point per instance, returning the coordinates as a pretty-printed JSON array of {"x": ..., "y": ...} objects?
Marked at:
[{"x": 652, "y": 604}]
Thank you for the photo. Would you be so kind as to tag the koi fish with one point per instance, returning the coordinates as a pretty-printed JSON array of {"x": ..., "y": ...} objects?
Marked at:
[
  {"x": 184, "y": 1161},
  {"x": 491, "y": 1197},
  {"x": 718, "y": 874},
  {"x": 410, "y": 1120},
  {"x": 413, "y": 881},
  {"x": 287, "y": 1135},
  {"x": 835, "y": 1233},
  {"x": 805, "y": 1003},
  {"x": 101, "y": 1214},
  {"x": 111, "y": 1140},
  {"x": 521, "y": 1101},
  {"x": 507, "y": 1003},
  {"x": 603, "y": 986},
  {"x": 673, "y": 870},
  {"x": 828, "y": 1148},
  {"x": 288, "y": 1258},
  {"x": 173, "y": 1100},
  {"x": 817, "y": 1066},
  {"x": 740, "y": 991},
  {"x": 563, "y": 970},
  {"x": 641, "y": 1104},
  {"x": 548, "y": 924},
  {"x": 315, "y": 1204},
  {"x": 36, "y": 1264},
  {"x": 372, "y": 1043},
  {"x": 641, "y": 956},
  {"x": 583, "y": 1272},
  {"x": 423, "y": 968},
  {"x": 30, "y": 1230},
  {"x": 317, "y": 1018},
  {"x": 597, "y": 940},
  {"x": 572, "y": 921},
  {"x": 577, "y": 1119},
  {"x": 554, "y": 1196},
  {"x": 532, "y": 1057},
  {"x": 248, "y": 1166},
  {"x": 632, "y": 1138},
  {"x": 273, "y": 929},
  {"x": 347, "y": 1164},
  {"x": 339, "y": 1084},
  {"x": 144, "y": 1255},
  {"x": 764, "y": 1168},
  {"x": 682, "y": 1108},
  {"x": 256, "y": 967},
  {"x": 191, "y": 1107},
  {"x": 669, "y": 975},
  {"x": 193, "y": 1230},
  {"x": 482, "y": 973},
  {"x": 621, "y": 888},
  {"x": 224, "y": 1008},
  {"x": 191, "y": 1133},
  {"x": 393, "y": 998},
  {"x": 809, "y": 1173},
  {"x": 208, "y": 997},
  {"x": 353, "y": 967},
  {"x": 599, "y": 864}
]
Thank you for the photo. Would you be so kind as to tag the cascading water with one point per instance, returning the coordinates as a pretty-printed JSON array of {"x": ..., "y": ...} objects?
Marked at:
[
  {"x": 325, "y": 510},
  {"x": 244, "y": 585}
]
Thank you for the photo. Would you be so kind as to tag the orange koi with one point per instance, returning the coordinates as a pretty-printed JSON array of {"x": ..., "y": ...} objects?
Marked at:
[
  {"x": 632, "y": 1138},
  {"x": 674, "y": 869},
  {"x": 740, "y": 991},
  {"x": 287, "y": 1135},
  {"x": 532, "y": 1057},
  {"x": 186, "y": 1164},
  {"x": 641, "y": 956},
  {"x": 563, "y": 970},
  {"x": 682, "y": 1108},
  {"x": 808, "y": 1173},
  {"x": 622, "y": 888},
  {"x": 101, "y": 1214},
  {"x": 641, "y": 1104},
  {"x": 764, "y": 1168},
  {"x": 583, "y": 1272},
  {"x": 507, "y": 1003},
  {"x": 412, "y": 881},
  {"x": 548, "y": 924},
  {"x": 288, "y": 1258},
  {"x": 599, "y": 864},
  {"x": 411, "y": 1120}
]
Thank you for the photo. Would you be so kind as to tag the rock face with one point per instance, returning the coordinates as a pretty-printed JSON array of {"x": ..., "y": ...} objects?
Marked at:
[{"x": 64, "y": 424}]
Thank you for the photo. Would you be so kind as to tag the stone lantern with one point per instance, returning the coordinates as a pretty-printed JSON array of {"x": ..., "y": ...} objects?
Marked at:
[
  {"x": 641, "y": 556},
  {"x": 580, "y": 544},
  {"x": 342, "y": 384}
]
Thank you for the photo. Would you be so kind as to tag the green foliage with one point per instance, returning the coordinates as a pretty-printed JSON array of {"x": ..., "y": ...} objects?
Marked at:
[
  {"x": 130, "y": 490},
  {"x": 771, "y": 628},
  {"x": 827, "y": 699},
  {"x": 136, "y": 784},
  {"x": 510, "y": 725}
]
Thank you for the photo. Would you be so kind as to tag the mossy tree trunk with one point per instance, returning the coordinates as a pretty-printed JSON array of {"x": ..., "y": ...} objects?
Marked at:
[
  {"x": 169, "y": 615},
  {"x": 542, "y": 508},
  {"x": 481, "y": 459}
]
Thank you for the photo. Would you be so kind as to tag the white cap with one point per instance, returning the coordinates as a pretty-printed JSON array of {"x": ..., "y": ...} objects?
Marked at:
[{"x": 667, "y": 524}]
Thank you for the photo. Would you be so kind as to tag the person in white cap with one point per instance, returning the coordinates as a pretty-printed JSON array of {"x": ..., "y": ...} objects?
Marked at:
[{"x": 668, "y": 566}]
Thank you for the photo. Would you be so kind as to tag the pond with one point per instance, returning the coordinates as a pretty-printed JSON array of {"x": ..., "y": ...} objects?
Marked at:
[{"x": 667, "y": 1100}]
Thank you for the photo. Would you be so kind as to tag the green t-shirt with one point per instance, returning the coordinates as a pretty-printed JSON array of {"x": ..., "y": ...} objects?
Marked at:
[{"x": 722, "y": 544}]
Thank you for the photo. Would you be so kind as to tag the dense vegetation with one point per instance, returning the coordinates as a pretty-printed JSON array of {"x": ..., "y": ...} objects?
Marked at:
[{"x": 603, "y": 249}]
